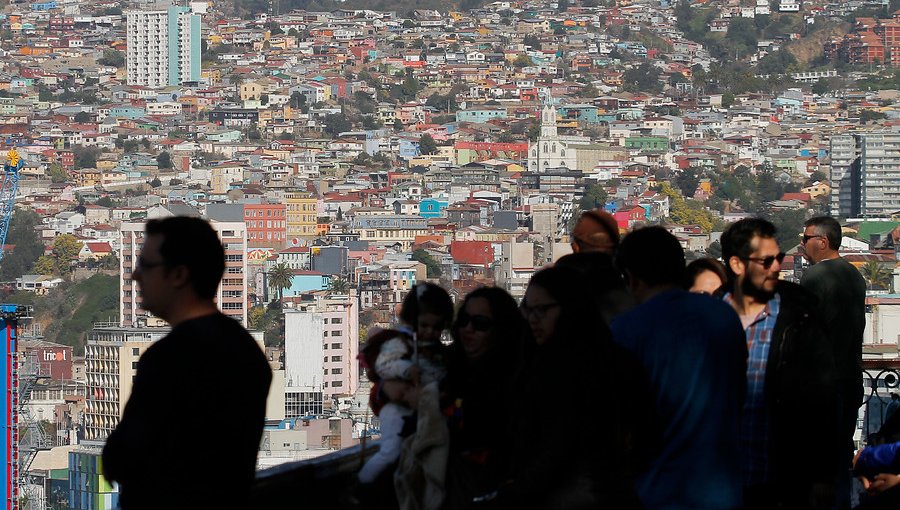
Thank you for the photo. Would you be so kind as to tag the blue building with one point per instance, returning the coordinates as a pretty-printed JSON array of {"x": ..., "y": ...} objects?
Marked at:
[
  {"x": 307, "y": 281},
  {"x": 432, "y": 207},
  {"x": 127, "y": 112}
]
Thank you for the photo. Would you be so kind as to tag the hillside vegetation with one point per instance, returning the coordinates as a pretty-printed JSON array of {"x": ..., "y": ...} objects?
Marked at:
[{"x": 69, "y": 311}]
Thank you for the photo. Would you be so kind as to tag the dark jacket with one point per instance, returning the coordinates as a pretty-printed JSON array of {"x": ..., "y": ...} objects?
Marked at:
[{"x": 801, "y": 395}]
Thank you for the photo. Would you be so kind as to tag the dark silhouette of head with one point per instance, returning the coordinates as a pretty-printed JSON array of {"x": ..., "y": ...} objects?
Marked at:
[
  {"x": 191, "y": 242},
  {"x": 427, "y": 308},
  {"x": 505, "y": 327},
  {"x": 595, "y": 231},
  {"x": 651, "y": 256},
  {"x": 829, "y": 228}
]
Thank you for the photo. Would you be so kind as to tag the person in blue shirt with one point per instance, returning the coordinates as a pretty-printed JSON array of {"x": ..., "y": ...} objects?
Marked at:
[{"x": 693, "y": 348}]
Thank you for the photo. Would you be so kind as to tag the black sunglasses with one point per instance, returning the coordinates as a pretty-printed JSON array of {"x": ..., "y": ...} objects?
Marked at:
[
  {"x": 806, "y": 238},
  {"x": 479, "y": 322},
  {"x": 767, "y": 261}
]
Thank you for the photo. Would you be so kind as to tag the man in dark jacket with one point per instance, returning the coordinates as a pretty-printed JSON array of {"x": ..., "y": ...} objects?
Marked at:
[
  {"x": 790, "y": 423},
  {"x": 191, "y": 429},
  {"x": 841, "y": 291}
]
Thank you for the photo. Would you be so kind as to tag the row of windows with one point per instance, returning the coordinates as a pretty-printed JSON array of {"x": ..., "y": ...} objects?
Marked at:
[
  {"x": 336, "y": 320},
  {"x": 333, "y": 333},
  {"x": 334, "y": 371},
  {"x": 269, "y": 236},
  {"x": 267, "y": 224},
  {"x": 334, "y": 359}
]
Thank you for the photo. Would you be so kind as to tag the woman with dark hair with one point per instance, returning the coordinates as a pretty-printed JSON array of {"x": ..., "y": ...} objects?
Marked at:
[
  {"x": 576, "y": 365},
  {"x": 485, "y": 358},
  {"x": 705, "y": 276}
]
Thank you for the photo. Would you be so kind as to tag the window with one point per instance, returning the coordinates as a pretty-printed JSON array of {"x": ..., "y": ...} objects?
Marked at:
[
  {"x": 134, "y": 365},
  {"x": 335, "y": 321},
  {"x": 335, "y": 371},
  {"x": 335, "y": 346},
  {"x": 336, "y": 384},
  {"x": 135, "y": 351},
  {"x": 324, "y": 333},
  {"x": 337, "y": 333},
  {"x": 326, "y": 359}
]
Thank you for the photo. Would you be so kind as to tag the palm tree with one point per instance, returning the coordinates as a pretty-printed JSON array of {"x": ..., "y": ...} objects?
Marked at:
[
  {"x": 876, "y": 274},
  {"x": 280, "y": 277},
  {"x": 339, "y": 285}
]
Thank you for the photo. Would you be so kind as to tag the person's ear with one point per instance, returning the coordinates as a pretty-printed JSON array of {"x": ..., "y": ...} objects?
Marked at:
[
  {"x": 736, "y": 265},
  {"x": 180, "y": 275}
]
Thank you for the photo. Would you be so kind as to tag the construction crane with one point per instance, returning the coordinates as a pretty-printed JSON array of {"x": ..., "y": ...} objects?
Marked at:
[
  {"x": 8, "y": 188},
  {"x": 11, "y": 404}
]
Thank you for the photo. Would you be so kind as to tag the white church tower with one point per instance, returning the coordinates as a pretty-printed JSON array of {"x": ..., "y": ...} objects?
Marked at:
[{"x": 549, "y": 151}]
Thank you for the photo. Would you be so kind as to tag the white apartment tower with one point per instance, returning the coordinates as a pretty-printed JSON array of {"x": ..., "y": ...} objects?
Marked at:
[
  {"x": 163, "y": 47},
  {"x": 231, "y": 296},
  {"x": 321, "y": 342}
]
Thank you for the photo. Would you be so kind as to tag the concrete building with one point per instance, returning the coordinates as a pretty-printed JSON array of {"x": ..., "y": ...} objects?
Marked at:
[
  {"x": 515, "y": 268},
  {"x": 865, "y": 174},
  {"x": 163, "y": 47},
  {"x": 110, "y": 358},
  {"x": 320, "y": 348},
  {"x": 231, "y": 296},
  {"x": 301, "y": 218}
]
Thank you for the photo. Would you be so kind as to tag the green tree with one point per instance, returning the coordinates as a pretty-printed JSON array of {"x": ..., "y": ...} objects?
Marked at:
[
  {"x": 336, "y": 123},
  {"x": 432, "y": 267},
  {"x": 44, "y": 265},
  {"x": 522, "y": 61},
  {"x": 82, "y": 117},
  {"x": 86, "y": 157},
  {"x": 714, "y": 249},
  {"x": 57, "y": 173},
  {"x": 427, "y": 145},
  {"x": 339, "y": 285},
  {"x": 280, "y": 277},
  {"x": 108, "y": 262},
  {"x": 112, "y": 58},
  {"x": 27, "y": 249},
  {"x": 594, "y": 196},
  {"x": 876, "y": 275},
  {"x": 164, "y": 160},
  {"x": 65, "y": 252},
  {"x": 155, "y": 183}
]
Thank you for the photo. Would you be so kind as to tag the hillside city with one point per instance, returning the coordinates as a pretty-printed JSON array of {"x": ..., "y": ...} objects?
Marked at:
[{"x": 344, "y": 154}]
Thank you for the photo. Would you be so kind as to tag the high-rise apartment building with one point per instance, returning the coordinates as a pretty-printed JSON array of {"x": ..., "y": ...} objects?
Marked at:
[
  {"x": 110, "y": 363},
  {"x": 231, "y": 296},
  {"x": 865, "y": 174},
  {"x": 163, "y": 47},
  {"x": 320, "y": 348}
]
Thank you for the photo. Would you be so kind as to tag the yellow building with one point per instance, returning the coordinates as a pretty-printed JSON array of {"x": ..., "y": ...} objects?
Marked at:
[
  {"x": 817, "y": 189},
  {"x": 301, "y": 216}
]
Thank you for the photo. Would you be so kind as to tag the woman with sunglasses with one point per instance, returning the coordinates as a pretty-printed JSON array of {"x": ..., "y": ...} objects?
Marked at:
[
  {"x": 576, "y": 367},
  {"x": 485, "y": 358}
]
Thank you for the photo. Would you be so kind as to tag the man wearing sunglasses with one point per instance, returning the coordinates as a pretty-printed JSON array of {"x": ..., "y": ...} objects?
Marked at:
[
  {"x": 789, "y": 430},
  {"x": 842, "y": 301}
]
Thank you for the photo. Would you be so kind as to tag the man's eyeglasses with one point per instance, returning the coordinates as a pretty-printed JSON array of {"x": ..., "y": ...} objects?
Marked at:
[
  {"x": 767, "y": 261},
  {"x": 539, "y": 311},
  {"x": 479, "y": 322},
  {"x": 144, "y": 264},
  {"x": 806, "y": 238}
]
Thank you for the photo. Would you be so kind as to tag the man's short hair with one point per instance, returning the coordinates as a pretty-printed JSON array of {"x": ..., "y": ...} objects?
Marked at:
[
  {"x": 596, "y": 229},
  {"x": 828, "y": 227},
  {"x": 653, "y": 256},
  {"x": 737, "y": 239},
  {"x": 193, "y": 243}
]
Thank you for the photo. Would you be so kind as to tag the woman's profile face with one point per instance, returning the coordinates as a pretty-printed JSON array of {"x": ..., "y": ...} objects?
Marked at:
[
  {"x": 476, "y": 327},
  {"x": 542, "y": 313},
  {"x": 706, "y": 282}
]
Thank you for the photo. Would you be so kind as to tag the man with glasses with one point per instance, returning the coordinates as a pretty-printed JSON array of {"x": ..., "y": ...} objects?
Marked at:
[
  {"x": 190, "y": 432},
  {"x": 842, "y": 302},
  {"x": 790, "y": 420}
]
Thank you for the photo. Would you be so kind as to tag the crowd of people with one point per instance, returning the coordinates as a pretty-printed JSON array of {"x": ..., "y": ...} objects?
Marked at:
[{"x": 628, "y": 379}]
